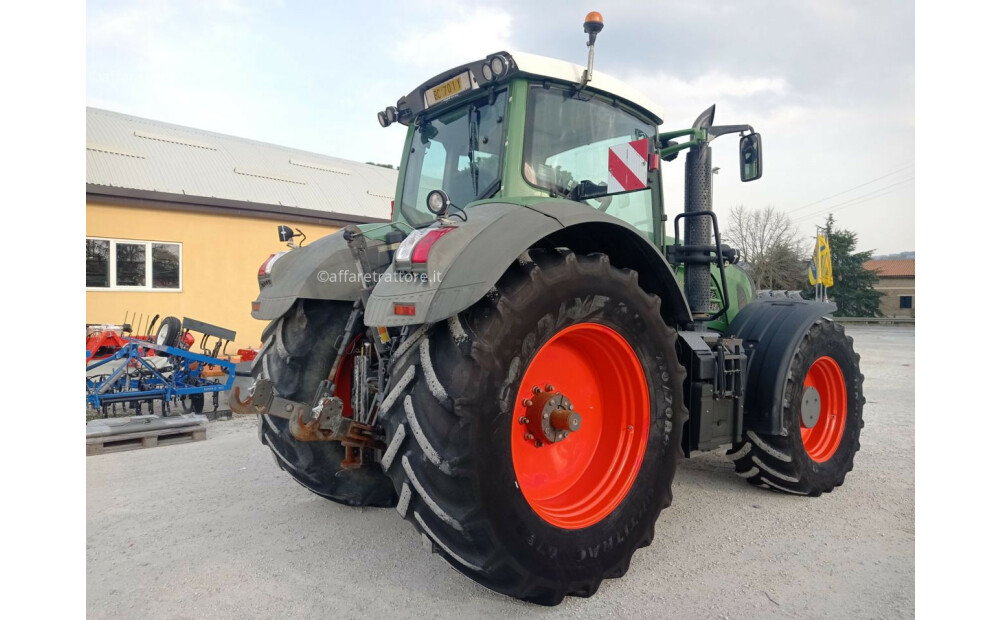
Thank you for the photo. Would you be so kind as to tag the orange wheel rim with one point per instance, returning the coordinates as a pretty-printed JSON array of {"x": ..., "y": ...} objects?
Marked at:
[
  {"x": 822, "y": 440},
  {"x": 577, "y": 481}
]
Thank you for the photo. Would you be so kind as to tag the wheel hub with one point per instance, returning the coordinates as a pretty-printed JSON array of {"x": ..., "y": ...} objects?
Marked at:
[
  {"x": 549, "y": 417},
  {"x": 811, "y": 407}
]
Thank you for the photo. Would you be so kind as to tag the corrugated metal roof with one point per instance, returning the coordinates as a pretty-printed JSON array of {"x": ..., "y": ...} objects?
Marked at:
[
  {"x": 140, "y": 154},
  {"x": 893, "y": 267}
]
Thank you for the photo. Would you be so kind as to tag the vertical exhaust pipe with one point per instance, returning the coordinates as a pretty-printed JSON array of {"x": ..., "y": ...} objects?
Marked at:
[{"x": 698, "y": 230}]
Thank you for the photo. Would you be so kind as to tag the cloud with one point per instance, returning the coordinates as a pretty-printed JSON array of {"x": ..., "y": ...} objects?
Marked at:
[
  {"x": 712, "y": 85},
  {"x": 461, "y": 35}
]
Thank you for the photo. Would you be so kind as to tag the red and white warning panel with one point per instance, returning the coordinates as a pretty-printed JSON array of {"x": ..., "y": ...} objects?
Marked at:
[{"x": 628, "y": 166}]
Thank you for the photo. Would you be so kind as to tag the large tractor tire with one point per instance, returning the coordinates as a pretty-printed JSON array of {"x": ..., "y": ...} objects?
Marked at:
[
  {"x": 299, "y": 349},
  {"x": 823, "y": 398},
  {"x": 526, "y": 509}
]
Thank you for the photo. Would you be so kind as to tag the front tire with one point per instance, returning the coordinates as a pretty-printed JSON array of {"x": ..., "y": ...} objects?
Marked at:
[
  {"x": 823, "y": 400},
  {"x": 536, "y": 522},
  {"x": 298, "y": 350}
]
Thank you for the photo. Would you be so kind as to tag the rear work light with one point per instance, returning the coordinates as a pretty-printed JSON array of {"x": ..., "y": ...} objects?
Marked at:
[{"x": 414, "y": 250}]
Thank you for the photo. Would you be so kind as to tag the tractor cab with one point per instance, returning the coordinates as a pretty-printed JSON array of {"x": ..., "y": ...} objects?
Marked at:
[{"x": 516, "y": 125}]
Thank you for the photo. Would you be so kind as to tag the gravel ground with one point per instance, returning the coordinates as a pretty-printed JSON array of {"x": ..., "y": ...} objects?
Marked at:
[{"x": 214, "y": 529}]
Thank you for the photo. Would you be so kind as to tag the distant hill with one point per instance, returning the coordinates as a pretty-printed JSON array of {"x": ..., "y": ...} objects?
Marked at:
[{"x": 899, "y": 255}]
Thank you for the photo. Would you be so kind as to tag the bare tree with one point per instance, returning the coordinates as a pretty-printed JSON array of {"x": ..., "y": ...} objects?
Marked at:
[{"x": 769, "y": 245}]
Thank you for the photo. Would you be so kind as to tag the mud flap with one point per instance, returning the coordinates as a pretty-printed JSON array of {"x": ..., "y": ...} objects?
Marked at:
[{"x": 771, "y": 330}]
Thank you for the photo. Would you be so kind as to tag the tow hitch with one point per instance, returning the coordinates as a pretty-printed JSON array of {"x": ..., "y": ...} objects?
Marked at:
[{"x": 322, "y": 422}]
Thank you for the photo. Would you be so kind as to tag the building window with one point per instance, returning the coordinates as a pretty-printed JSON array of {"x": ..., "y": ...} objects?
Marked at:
[
  {"x": 167, "y": 265},
  {"x": 98, "y": 263},
  {"x": 127, "y": 265},
  {"x": 905, "y": 302}
]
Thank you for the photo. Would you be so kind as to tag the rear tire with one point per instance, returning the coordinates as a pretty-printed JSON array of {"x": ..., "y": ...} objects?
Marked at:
[
  {"x": 453, "y": 438},
  {"x": 816, "y": 460},
  {"x": 298, "y": 350}
]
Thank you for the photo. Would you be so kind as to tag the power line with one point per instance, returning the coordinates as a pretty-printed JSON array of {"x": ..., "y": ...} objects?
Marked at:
[
  {"x": 854, "y": 201},
  {"x": 884, "y": 176},
  {"x": 857, "y": 201}
]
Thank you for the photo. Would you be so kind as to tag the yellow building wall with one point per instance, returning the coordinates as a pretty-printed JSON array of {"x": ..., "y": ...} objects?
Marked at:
[{"x": 220, "y": 256}]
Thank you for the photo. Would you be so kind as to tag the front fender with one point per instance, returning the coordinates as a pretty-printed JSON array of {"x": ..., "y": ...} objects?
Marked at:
[
  {"x": 466, "y": 263},
  {"x": 771, "y": 330}
]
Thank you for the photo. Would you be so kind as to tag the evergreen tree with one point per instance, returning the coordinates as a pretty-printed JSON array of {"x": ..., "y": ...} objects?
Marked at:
[{"x": 853, "y": 286}]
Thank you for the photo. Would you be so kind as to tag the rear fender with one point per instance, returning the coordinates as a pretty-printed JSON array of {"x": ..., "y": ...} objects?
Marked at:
[
  {"x": 324, "y": 269},
  {"x": 771, "y": 329},
  {"x": 467, "y": 262}
]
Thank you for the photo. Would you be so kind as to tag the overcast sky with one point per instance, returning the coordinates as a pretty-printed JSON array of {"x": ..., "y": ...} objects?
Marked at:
[{"x": 829, "y": 84}]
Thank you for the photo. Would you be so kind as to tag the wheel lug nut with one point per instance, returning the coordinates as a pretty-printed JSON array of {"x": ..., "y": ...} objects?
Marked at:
[
  {"x": 526, "y": 402},
  {"x": 529, "y": 436},
  {"x": 523, "y": 420},
  {"x": 536, "y": 389},
  {"x": 538, "y": 444},
  {"x": 549, "y": 387}
]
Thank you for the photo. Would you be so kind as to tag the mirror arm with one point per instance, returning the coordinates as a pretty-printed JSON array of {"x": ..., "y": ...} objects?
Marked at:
[
  {"x": 662, "y": 138},
  {"x": 667, "y": 152},
  {"x": 698, "y": 136},
  {"x": 721, "y": 130}
]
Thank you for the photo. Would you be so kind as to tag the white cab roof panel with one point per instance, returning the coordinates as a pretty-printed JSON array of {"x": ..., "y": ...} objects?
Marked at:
[{"x": 570, "y": 72}]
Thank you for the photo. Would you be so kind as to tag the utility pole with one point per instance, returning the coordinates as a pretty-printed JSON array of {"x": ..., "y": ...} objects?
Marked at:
[
  {"x": 819, "y": 265},
  {"x": 829, "y": 248}
]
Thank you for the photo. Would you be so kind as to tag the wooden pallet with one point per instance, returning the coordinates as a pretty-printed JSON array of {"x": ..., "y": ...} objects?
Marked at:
[{"x": 145, "y": 439}]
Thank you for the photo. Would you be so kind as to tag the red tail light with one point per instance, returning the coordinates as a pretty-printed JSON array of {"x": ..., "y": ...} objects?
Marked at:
[
  {"x": 268, "y": 264},
  {"x": 392, "y": 208},
  {"x": 263, "y": 266},
  {"x": 423, "y": 247}
]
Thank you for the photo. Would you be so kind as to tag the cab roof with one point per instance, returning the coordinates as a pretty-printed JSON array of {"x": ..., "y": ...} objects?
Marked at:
[
  {"x": 566, "y": 71},
  {"x": 532, "y": 65}
]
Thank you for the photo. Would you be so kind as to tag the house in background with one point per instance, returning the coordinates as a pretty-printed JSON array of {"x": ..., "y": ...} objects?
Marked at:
[
  {"x": 897, "y": 283},
  {"x": 179, "y": 220}
]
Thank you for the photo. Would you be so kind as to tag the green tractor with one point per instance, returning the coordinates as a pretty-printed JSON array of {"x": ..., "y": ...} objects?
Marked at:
[{"x": 518, "y": 360}]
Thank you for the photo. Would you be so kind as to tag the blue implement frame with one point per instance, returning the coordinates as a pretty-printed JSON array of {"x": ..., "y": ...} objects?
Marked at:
[{"x": 183, "y": 379}]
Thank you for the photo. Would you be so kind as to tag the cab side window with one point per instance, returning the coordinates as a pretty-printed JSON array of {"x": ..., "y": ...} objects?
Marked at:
[{"x": 567, "y": 141}]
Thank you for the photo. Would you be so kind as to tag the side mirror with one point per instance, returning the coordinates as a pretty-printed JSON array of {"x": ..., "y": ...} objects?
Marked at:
[
  {"x": 285, "y": 233},
  {"x": 751, "y": 165}
]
